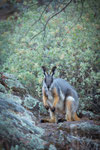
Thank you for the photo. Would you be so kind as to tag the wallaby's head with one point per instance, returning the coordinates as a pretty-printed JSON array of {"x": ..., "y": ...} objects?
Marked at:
[{"x": 48, "y": 76}]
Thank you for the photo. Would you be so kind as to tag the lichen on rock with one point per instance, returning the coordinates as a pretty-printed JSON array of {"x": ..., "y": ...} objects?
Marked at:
[{"x": 20, "y": 127}]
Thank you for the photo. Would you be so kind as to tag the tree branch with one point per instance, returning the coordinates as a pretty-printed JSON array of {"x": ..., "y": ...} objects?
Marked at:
[
  {"x": 55, "y": 14},
  {"x": 39, "y": 17}
]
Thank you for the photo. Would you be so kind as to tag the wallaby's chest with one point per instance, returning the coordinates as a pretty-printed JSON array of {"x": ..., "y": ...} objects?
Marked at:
[
  {"x": 50, "y": 95},
  {"x": 50, "y": 98}
]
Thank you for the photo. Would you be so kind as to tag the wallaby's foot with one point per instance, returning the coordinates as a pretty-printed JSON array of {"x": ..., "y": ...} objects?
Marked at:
[
  {"x": 48, "y": 120},
  {"x": 61, "y": 120},
  {"x": 75, "y": 117},
  {"x": 53, "y": 109},
  {"x": 46, "y": 107},
  {"x": 68, "y": 117}
]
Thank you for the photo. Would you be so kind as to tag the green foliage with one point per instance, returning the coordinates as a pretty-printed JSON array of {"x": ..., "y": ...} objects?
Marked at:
[{"x": 70, "y": 44}]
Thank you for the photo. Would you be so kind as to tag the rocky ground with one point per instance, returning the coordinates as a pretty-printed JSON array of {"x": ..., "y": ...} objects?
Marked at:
[{"x": 20, "y": 127}]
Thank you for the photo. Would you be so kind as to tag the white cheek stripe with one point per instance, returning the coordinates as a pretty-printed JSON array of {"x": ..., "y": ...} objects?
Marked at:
[{"x": 70, "y": 98}]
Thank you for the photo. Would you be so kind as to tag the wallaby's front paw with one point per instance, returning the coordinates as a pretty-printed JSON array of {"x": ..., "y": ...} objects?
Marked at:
[
  {"x": 53, "y": 109},
  {"x": 46, "y": 106}
]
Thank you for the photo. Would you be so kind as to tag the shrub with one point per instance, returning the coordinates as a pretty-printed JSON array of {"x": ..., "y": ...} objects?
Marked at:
[{"x": 73, "y": 48}]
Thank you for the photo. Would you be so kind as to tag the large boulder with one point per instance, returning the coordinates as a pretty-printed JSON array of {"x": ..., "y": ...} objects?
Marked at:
[
  {"x": 10, "y": 87},
  {"x": 17, "y": 127}
]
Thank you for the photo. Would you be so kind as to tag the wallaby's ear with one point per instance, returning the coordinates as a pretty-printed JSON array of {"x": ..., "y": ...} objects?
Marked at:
[
  {"x": 53, "y": 70},
  {"x": 44, "y": 70}
]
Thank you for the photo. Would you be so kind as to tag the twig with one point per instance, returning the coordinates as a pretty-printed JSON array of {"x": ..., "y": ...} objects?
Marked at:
[
  {"x": 55, "y": 14},
  {"x": 82, "y": 3},
  {"x": 39, "y": 17}
]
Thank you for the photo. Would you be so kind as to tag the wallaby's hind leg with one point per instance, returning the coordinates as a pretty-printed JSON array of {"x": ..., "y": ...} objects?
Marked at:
[
  {"x": 52, "y": 118},
  {"x": 75, "y": 117},
  {"x": 68, "y": 109},
  {"x": 70, "y": 115}
]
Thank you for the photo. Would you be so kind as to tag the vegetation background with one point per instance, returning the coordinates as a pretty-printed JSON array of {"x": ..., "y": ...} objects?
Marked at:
[{"x": 41, "y": 33}]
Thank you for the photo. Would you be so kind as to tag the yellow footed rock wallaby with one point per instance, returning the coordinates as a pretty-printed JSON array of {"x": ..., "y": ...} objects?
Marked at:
[{"x": 59, "y": 95}]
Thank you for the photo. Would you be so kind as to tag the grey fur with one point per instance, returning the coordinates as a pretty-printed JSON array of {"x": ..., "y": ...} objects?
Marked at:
[{"x": 64, "y": 89}]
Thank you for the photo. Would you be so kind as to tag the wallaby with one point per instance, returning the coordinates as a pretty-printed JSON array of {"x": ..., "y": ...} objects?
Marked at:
[{"x": 59, "y": 95}]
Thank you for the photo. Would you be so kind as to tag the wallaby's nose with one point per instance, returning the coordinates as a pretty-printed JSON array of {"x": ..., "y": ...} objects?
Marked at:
[{"x": 48, "y": 86}]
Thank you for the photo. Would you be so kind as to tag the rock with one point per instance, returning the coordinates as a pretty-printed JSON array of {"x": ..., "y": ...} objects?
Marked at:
[
  {"x": 19, "y": 94},
  {"x": 12, "y": 97},
  {"x": 20, "y": 127},
  {"x": 34, "y": 105},
  {"x": 90, "y": 115},
  {"x": 2, "y": 88},
  {"x": 73, "y": 135},
  {"x": 17, "y": 125}
]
